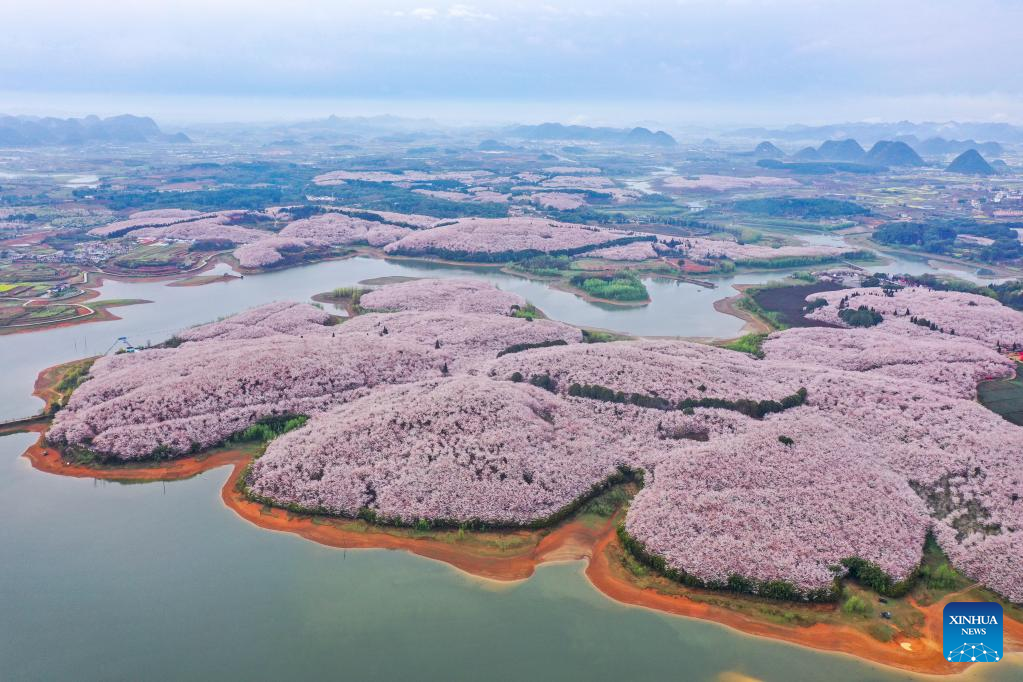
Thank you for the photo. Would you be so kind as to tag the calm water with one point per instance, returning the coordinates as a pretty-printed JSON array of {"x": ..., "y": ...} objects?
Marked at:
[
  {"x": 103, "y": 581},
  {"x": 677, "y": 309}
]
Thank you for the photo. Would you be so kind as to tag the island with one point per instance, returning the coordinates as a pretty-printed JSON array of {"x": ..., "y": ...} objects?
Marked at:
[{"x": 796, "y": 494}]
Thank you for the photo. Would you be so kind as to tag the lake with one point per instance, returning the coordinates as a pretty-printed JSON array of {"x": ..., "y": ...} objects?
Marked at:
[{"x": 103, "y": 581}]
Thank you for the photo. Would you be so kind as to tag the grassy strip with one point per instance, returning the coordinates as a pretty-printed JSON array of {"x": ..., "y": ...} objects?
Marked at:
[
  {"x": 752, "y": 344},
  {"x": 621, "y": 286}
]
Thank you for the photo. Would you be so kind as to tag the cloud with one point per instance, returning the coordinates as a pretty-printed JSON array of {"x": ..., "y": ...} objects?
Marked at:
[
  {"x": 769, "y": 54},
  {"x": 469, "y": 12},
  {"x": 424, "y": 13}
]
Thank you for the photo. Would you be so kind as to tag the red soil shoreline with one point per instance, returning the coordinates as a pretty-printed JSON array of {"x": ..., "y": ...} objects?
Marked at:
[{"x": 569, "y": 541}]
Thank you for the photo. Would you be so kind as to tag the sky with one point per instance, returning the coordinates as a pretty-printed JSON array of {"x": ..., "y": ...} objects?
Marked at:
[{"x": 585, "y": 61}]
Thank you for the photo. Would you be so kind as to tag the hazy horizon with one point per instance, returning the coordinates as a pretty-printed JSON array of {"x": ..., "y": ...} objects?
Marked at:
[{"x": 724, "y": 63}]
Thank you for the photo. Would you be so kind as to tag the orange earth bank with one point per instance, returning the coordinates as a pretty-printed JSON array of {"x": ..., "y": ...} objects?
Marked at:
[{"x": 569, "y": 541}]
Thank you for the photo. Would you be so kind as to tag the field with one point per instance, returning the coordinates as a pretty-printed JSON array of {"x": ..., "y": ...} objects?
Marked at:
[
  {"x": 785, "y": 303},
  {"x": 13, "y": 313},
  {"x": 1004, "y": 397}
]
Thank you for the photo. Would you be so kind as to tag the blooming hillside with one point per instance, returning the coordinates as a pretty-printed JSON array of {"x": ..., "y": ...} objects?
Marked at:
[
  {"x": 339, "y": 229},
  {"x": 841, "y": 446},
  {"x": 700, "y": 248},
  {"x": 957, "y": 365},
  {"x": 636, "y": 251},
  {"x": 293, "y": 319},
  {"x": 953, "y": 312},
  {"x": 471, "y": 236},
  {"x": 271, "y": 250},
  {"x": 756, "y": 507},
  {"x": 459, "y": 449},
  {"x": 140, "y": 219},
  {"x": 453, "y": 295},
  {"x": 673, "y": 370}
]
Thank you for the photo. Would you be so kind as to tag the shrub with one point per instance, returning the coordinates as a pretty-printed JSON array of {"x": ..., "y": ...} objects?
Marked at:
[
  {"x": 860, "y": 317},
  {"x": 855, "y": 605}
]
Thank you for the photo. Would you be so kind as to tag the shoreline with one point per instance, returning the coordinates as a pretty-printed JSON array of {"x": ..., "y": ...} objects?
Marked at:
[
  {"x": 99, "y": 312},
  {"x": 514, "y": 555},
  {"x": 727, "y": 306}
]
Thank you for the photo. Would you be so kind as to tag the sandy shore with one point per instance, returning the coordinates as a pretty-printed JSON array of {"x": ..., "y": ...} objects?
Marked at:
[{"x": 754, "y": 325}]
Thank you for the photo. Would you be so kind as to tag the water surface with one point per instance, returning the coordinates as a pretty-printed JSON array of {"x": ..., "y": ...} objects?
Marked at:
[{"x": 103, "y": 581}]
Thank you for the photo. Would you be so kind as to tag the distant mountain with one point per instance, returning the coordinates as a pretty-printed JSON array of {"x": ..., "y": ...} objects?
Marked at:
[
  {"x": 489, "y": 145},
  {"x": 807, "y": 154},
  {"x": 557, "y": 131},
  {"x": 16, "y": 131},
  {"x": 848, "y": 151},
  {"x": 970, "y": 162},
  {"x": 888, "y": 153},
  {"x": 646, "y": 136},
  {"x": 1002, "y": 132},
  {"x": 363, "y": 125},
  {"x": 766, "y": 150},
  {"x": 939, "y": 146}
]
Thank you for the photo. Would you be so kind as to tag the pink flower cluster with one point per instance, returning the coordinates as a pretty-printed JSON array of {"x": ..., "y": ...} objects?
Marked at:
[
  {"x": 411, "y": 220},
  {"x": 341, "y": 177},
  {"x": 578, "y": 182},
  {"x": 700, "y": 248},
  {"x": 969, "y": 315},
  {"x": 292, "y": 319},
  {"x": 560, "y": 201},
  {"x": 502, "y": 235},
  {"x": 636, "y": 251},
  {"x": 194, "y": 396},
  {"x": 460, "y": 340},
  {"x": 340, "y": 230},
  {"x": 755, "y": 507},
  {"x": 204, "y": 228},
  {"x": 952, "y": 365},
  {"x": 572, "y": 170},
  {"x": 474, "y": 195},
  {"x": 163, "y": 216},
  {"x": 274, "y": 359},
  {"x": 268, "y": 251},
  {"x": 458, "y": 449},
  {"x": 454, "y": 294},
  {"x": 668, "y": 369}
]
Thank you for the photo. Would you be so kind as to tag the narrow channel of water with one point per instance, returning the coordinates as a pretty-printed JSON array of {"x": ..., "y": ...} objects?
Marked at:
[{"x": 677, "y": 309}]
